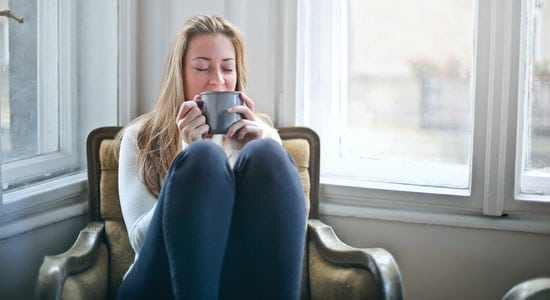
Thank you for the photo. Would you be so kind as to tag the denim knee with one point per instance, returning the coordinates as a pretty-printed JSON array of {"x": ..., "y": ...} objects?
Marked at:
[
  {"x": 201, "y": 151},
  {"x": 264, "y": 151}
]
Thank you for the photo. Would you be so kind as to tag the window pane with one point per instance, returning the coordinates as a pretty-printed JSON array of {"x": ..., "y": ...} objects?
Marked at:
[
  {"x": 409, "y": 87},
  {"x": 539, "y": 156},
  {"x": 537, "y": 160},
  {"x": 19, "y": 82}
]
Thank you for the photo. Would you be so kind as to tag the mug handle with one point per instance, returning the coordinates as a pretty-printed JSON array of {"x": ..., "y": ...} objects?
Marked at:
[{"x": 200, "y": 104}]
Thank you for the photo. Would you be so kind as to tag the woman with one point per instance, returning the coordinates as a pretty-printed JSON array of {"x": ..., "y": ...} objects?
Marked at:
[{"x": 209, "y": 217}]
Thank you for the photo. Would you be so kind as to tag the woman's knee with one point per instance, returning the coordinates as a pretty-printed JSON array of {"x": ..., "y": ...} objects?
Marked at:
[
  {"x": 266, "y": 151},
  {"x": 201, "y": 151},
  {"x": 201, "y": 158},
  {"x": 265, "y": 160}
]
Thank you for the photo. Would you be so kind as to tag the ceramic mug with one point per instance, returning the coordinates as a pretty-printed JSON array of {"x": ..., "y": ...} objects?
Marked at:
[{"x": 214, "y": 107}]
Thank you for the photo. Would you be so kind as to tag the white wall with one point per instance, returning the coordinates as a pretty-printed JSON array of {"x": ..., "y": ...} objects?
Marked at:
[
  {"x": 444, "y": 262},
  {"x": 437, "y": 262}
]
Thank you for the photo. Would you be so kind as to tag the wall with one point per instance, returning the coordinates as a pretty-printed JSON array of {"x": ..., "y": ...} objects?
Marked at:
[
  {"x": 443, "y": 262},
  {"x": 21, "y": 255}
]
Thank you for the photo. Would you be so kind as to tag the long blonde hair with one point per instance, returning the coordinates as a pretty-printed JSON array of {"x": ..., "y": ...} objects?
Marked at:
[{"x": 158, "y": 139}]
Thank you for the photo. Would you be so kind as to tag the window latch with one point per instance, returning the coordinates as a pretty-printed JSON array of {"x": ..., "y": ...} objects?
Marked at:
[{"x": 9, "y": 14}]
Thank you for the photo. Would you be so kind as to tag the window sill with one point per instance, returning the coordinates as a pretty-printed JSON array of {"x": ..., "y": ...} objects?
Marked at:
[
  {"x": 42, "y": 204},
  {"x": 47, "y": 190},
  {"x": 519, "y": 223}
]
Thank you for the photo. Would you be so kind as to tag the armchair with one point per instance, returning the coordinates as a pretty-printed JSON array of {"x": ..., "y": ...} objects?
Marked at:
[
  {"x": 95, "y": 264},
  {"x": 531, "y": 289}
]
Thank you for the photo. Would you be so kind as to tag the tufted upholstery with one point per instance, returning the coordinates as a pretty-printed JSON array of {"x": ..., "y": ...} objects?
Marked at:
[
  {"x": 94, "y": 266},
  {"x": 121, "y": 253},
  {"x": 299, "y": 149}
]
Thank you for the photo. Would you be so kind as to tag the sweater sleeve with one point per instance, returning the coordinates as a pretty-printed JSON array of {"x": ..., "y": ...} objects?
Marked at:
[{"x": 137, "y": 204}]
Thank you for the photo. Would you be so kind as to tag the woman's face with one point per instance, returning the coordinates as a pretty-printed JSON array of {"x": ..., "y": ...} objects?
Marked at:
[{"x": 209, "y": 65}]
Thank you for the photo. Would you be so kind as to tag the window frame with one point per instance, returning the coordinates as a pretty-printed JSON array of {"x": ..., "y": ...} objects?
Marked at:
[{"x": 497, "y": 98}]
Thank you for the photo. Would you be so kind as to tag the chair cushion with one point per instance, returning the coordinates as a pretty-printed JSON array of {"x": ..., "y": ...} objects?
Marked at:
[
  {"x": 121, "y": 253},
  {"x": 116, "y": 235},
  {"x": 299, "y": 150},
  {"x": 108, "y": 191}
]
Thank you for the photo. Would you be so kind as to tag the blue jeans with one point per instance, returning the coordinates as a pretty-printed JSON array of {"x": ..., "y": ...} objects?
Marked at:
[{"x": 222, "y": 233}]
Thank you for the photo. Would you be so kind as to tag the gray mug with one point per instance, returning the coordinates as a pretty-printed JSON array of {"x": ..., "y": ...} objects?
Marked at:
[{"x": 214, "y": 107}]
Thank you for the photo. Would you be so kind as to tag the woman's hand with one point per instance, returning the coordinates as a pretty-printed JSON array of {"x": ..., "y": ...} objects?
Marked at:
[
  {"x": 191, "y": 122},
  {"x": 248, "y": 128}
]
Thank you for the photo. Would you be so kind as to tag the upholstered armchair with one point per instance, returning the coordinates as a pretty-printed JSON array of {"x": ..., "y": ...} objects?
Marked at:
[
  {"x": 531, "y": 289},
  {"x": 95, "y": 264}
]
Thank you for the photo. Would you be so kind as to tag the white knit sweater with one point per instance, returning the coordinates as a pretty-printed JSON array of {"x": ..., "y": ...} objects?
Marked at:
[{"x": 138, "y": 205}]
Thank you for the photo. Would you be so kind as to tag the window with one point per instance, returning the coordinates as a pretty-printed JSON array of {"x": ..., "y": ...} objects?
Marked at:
[
  {"x": 429, "y": 103},
  {"x": 33, "y": 146},
  {"x": 58, "y": 80}
]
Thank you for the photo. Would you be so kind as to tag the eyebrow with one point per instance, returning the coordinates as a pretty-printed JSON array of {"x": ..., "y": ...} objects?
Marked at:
[{"x": 206, "y": 58}]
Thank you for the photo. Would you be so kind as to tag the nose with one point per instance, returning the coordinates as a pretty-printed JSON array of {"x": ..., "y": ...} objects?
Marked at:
[{"x": 216, "y": 80}]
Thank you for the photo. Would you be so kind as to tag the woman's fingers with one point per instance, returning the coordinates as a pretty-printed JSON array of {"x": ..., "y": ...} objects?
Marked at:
[
  {"x": 190, "y": 121},
  {"x": 246, "y": 110},
  {"x": 245, "y": 129},
  {"x": 247, "y": 101}
]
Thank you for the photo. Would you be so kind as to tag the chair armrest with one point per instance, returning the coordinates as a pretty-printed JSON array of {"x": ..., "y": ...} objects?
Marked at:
[
  {"x": 379, "y": 262},
  {"x": 532, "y": 289},
  {"x": 55, "y": 269}
]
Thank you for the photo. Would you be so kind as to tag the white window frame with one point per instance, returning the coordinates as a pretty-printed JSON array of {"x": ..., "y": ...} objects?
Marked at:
[{"x": 493, "y": 189}]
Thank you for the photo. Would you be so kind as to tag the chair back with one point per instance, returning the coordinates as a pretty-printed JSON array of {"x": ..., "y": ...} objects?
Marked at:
[{"x": 104, "y": 205}]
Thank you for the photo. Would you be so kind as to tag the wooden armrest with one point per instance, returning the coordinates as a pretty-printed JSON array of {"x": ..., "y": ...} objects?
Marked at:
[
  {"x": 537, "y": 288},
  {"x": 377, "y": 261},
  {"x": 55, "y": 269}
]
